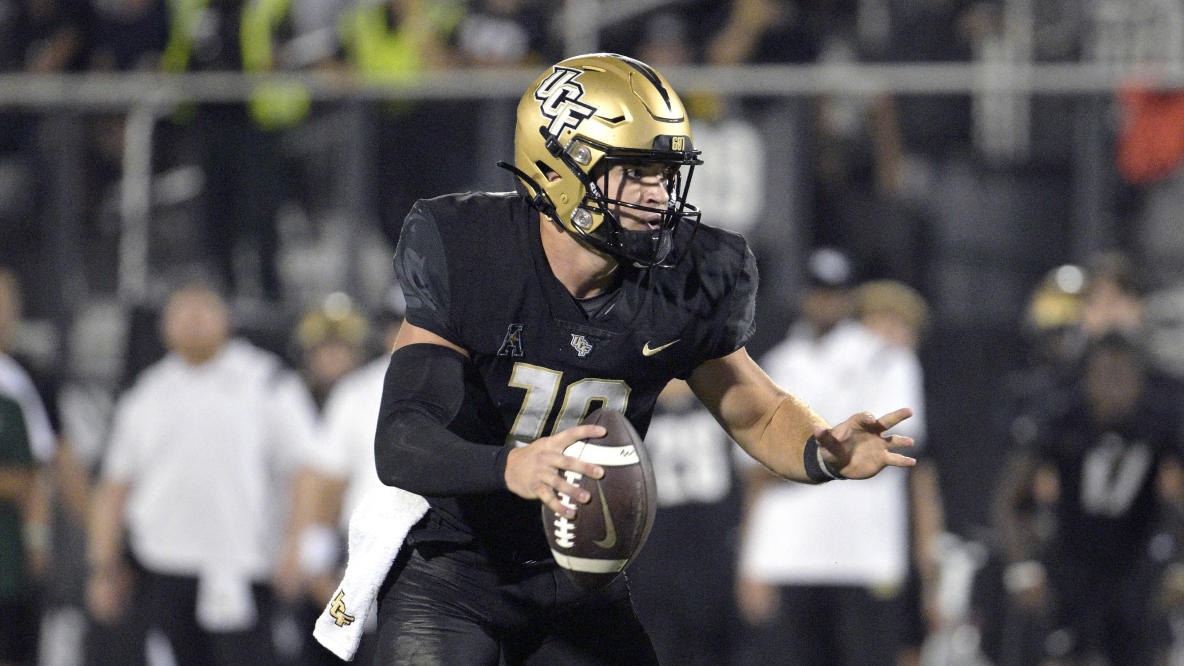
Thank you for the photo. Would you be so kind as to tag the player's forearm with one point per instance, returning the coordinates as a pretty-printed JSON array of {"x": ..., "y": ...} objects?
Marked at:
[
  {"x": 764, "y": 419},
  {"x": 105, "y": 529},
  {"x": 779, "y": 440},
  {"x": 413, "y": 447},
  {"x": 415, "y": 452}
]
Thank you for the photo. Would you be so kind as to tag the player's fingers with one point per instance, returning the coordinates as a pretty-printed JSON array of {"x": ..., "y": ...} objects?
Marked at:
[
  {"x": 564, "y": 487},
  {"x": 565, "y": 438},
  {"x": 891, "y": 419},
  {"x": 550, "y": 498},
  {"x": 899, "y": 441},
  {"x": 897, "y": 460},
  {"x": 581, "y": 467},
  {"x": 863, "y": 421}
]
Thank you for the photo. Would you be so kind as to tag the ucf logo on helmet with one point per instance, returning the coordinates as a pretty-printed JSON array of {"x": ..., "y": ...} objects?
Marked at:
[{"x": 560, "y": 95}]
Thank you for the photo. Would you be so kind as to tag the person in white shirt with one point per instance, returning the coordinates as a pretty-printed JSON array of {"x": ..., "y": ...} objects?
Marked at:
[
  {"x": 821, "y": 568},
  {"x": 194, "y": 481}
]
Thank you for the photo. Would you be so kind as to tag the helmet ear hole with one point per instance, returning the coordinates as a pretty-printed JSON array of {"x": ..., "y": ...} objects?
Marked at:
[{"x": 550, "y": 173}]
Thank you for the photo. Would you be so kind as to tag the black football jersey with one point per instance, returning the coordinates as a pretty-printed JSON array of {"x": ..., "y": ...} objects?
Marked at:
[
  {"x": 1108, "y": 507},
  {"x": 473, "y": 271}
]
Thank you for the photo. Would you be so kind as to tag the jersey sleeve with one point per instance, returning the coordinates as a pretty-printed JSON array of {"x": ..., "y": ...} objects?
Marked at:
[
  {"x": 422, "y": 270},
  {"x": 735, "y": 321}
]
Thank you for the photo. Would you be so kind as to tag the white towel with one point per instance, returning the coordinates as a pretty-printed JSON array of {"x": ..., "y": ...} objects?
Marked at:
[{"x": 377, "y": 529}]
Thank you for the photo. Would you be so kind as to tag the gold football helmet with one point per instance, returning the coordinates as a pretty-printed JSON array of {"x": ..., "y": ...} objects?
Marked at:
[{"x": 582, "y": 116}]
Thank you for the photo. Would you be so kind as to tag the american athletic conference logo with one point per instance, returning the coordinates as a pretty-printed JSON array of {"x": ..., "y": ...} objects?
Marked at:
[{"x": 559, "y": 96}]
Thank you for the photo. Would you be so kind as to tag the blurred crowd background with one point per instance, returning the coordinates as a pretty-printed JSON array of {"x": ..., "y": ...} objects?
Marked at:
[{"x": 1021, "y": 246}]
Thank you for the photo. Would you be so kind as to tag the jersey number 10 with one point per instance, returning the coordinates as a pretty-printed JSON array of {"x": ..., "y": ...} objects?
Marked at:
[{"x": 542, "y": 390}]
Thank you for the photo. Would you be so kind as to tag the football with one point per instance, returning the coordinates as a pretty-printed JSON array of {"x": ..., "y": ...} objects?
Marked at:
[{"x": 607, "y": 532}]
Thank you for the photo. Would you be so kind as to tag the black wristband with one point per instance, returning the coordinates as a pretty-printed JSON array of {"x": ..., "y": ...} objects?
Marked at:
[{"x": 816, "y": 468}]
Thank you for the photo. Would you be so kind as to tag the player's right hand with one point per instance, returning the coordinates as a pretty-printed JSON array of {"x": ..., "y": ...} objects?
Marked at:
[{"x": 536, "y": 471}]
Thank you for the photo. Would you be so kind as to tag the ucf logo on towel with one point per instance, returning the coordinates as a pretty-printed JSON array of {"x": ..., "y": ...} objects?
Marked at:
[{"x": 337, "y": 610}]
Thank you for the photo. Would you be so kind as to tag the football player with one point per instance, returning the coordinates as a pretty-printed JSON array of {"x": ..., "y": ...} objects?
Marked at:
[{"x": 591, "y": 286}]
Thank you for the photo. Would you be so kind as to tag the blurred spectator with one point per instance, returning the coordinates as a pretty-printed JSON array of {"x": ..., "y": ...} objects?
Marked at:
[
  {"x": 829, "y": 591},
  {"x": 336, "y": 475},
  {"x": 1165, "y": 329},
  {"x": 19, "y": 609},
  {"x": 36, "y": 37},
  {"x": 15, "y": 380},
  {"x": 683, "y": 580},
  {"x": 17, "y": 384},
  {"x": 1052, "y": 344},
  {"x": 421, "y": 148},
  {"x": 1144, "y": 37},
  {"x": 41, "y": 36},
  {"x": 1077, "y": 507},
  {"x": 894, "y": 311},
  {"x": 56, "y": 496},
  {"x": 237, "y": 144},
  {"x": 123, "y": 36},
  {"x": 331, "y": 341},
  {"x": 936, "y": 31},
  {"x": 1112, "y": 297},
  {"x": 769, "y": 31},
  {"x": 504, "y": 33},
  {"x": 126, "y": 34},
  {"x": 1052, "y": 332},
  {"x": 899, "y": 315},
  {"x": 328, "y": 343},
  {"x": 194, "y": 485},
  {"x": 860, "y": 174},
  {"x": 347, "y": 453},
  {"x": 46, "y": 472}
]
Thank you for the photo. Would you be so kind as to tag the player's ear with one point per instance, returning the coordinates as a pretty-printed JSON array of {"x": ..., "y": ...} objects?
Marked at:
[{"x": 552, "y": 176}]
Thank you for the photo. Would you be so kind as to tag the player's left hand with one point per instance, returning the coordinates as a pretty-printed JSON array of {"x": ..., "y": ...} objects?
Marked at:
[{"x": 858, "y": 448}]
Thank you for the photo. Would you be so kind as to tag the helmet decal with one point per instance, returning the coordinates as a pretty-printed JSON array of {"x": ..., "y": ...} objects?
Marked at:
[
  {"x": 649, "y": 74},
  {"x": 559, "y": 96}
]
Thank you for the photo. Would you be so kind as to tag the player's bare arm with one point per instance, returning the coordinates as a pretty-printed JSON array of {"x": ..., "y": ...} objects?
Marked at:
[
  {"x": 534, "y": 471},
  {"x": 774, "y": 426}
]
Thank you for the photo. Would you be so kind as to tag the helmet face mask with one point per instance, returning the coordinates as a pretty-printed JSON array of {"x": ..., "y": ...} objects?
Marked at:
[{"x": 589, "y": 114}]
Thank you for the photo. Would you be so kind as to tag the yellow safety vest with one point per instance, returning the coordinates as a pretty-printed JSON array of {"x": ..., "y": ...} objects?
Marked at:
[
  {"x": 272, "y": 104},
  {"x": 392, "y": 55}
]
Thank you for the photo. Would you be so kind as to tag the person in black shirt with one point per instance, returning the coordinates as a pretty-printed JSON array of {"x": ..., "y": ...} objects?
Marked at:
[
  {"x": 592, "y": 286},
  {"x": 1081, "y": 482}
]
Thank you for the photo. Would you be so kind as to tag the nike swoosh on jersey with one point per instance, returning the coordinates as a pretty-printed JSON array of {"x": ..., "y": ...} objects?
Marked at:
[
  {"x": 646, "y": 350},
  {"x": 610, "y": 530}
]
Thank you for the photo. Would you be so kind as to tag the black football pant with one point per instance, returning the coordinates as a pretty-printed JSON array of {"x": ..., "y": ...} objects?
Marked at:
[{"x": 458, "y": 608}]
